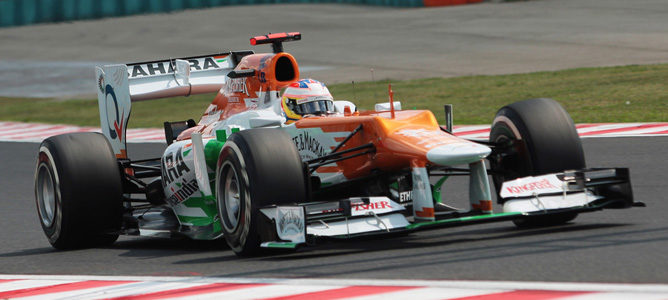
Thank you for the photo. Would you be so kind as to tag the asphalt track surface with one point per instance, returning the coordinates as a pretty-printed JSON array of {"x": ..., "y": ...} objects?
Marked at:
[
  {"x": 342, "y": 43},
  {"x": 609, "y": 246}
]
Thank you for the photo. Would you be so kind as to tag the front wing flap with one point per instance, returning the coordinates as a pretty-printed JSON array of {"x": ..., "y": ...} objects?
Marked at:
[
  {"x": 610, "y": 188},
  {"x": 576, "y": 191}
]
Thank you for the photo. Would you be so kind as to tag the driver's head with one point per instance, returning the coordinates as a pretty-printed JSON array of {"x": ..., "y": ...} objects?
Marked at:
[{"x": 306, "y": 97}]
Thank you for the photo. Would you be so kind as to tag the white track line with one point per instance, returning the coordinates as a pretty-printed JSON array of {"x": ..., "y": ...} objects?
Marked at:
[
  {"x": 619, "y": 296},
  {"x": 88, "y": 293},
  {"x": 201, "y": 288},
  {"x": 29, "y": 283},
  {"x": 27, "y": 129},
  {"x": 262, "y": 292},
  {"x": 460, "y": 284},
  {"x": 429, "y": 293},
  {"x": 138, "y": 288}
]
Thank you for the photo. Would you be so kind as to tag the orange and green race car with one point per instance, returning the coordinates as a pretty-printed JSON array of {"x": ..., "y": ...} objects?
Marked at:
[{"x": 276, "y": 162}]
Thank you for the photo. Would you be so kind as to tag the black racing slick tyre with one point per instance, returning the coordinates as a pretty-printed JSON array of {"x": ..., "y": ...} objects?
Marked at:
[
  {"x": 78, "y": 191},
  {"x": 534, "y": 137},
  {"x": 256, "y": 168}
]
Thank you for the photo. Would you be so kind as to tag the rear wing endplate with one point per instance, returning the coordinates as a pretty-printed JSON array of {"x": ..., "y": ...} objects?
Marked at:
[{"x": 121, "y": 84}]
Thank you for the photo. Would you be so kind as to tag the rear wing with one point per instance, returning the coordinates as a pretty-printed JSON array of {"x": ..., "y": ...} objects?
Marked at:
[{"x": 120, "y": 85}]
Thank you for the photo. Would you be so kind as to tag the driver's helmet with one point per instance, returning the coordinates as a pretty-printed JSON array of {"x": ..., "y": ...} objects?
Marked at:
[{"x": 306, "y": 97}]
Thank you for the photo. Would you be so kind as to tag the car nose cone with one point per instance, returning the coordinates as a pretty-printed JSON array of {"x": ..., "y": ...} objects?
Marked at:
[{"x": 458, "y": 153}]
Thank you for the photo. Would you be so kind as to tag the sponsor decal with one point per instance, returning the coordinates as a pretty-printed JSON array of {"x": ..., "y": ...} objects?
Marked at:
[
  {"x": 531, "y": 186},
  {"x": 290, "y": 224},
  {"x": 326, "y": 211},
  {"x": 187, "y": 148},
  {"x": 263, "y": 64},
  {"x": 405, "y": 196},
  {"x": 383, "y": 205},
  {"x": 208, "y": 64},
  {"x": 100, "y": 83},
  {"x": 372, "y": 206},
  {"x": 416, "y": 133},
  {"x": 528, "y": 186},
  {"x": 186, "y": 189},
  {"x": 378, "y": 205},
  {"x": 166, "y": 67},
  {"x": 114, "y": 129},
  {"x": 264, "y": 59},
  {"x": 211, "y": 114},
  {"x": 304, "y": 100},
  {"x": 173, "y": 167},
  {"x": 237, "y": 85},
  {"x": 151, "y": 69},
  {"x": 220, "y": 59},
  {"x": 307, "y": 143},
  {"x": 427, "y": 138},
  {"x": 139, "y": 70}
]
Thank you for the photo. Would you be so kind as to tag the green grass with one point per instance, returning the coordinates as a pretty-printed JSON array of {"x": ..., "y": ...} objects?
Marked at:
[{"x": 611, "y": 94}]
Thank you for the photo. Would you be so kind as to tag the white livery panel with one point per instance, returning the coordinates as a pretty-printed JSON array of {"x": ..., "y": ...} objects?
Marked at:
[{"x": 121, "y": 84}]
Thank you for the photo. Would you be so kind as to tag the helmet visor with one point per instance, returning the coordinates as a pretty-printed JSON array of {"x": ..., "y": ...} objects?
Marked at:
[{"x": 315, "y": 107}]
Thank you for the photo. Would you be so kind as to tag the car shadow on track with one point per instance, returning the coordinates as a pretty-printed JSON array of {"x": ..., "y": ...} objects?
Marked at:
[
  {"x": 164, "y": 247},
  {"x": 368, "y": 245},
  {"x": 413, "y": 252},
  {"x": 435, "y": 239},
  {"x": 29, "y": 252},
  {"x": 140, "y": 247}
]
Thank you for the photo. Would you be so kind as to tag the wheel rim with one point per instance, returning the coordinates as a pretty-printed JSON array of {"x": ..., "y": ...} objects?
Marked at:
[
  {"x": 510, "y": 164},
  {"x": 46, "y": 195},
  {"x": 514, "y": 162},
  {"x": 499, "y": 163},
  {"x": 231, "y": 198}
]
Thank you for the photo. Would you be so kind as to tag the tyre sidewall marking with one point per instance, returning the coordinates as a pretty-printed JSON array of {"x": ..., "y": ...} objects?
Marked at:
[
  {"x": 508, "y": 124},
  {"x": 504, "y": 128},
  {"x": 46, "y": 160},
  {"x": 231, "y": 156},
  {"x": 222, "y": 201}
]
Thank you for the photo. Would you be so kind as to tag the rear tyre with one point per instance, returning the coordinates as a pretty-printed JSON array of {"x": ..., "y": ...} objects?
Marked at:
[
  {"x": 78, "y": 191},
  {"x": 536, "y": 137},
  {"x": 256, "y": 168}
]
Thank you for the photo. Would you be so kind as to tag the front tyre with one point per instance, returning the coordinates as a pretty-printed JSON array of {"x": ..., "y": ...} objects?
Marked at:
[
  {"x": 535, "y": 137},
  {"x": 78, "y": 191},
  {"x": 256, "y": 168}
]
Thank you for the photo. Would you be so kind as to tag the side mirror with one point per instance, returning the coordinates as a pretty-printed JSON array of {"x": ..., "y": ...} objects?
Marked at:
[
  {"x": 173, "y": 129},
  {"x": 385, "y": 106},
  {"x": 340, "y": 105}
]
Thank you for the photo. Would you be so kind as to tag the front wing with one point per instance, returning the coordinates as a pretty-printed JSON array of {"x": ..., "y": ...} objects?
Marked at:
[{"x": 530, "y": 197}]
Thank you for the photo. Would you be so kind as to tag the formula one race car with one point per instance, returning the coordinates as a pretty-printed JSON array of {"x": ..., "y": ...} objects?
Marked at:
[{"x": 265, "y": 170}]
